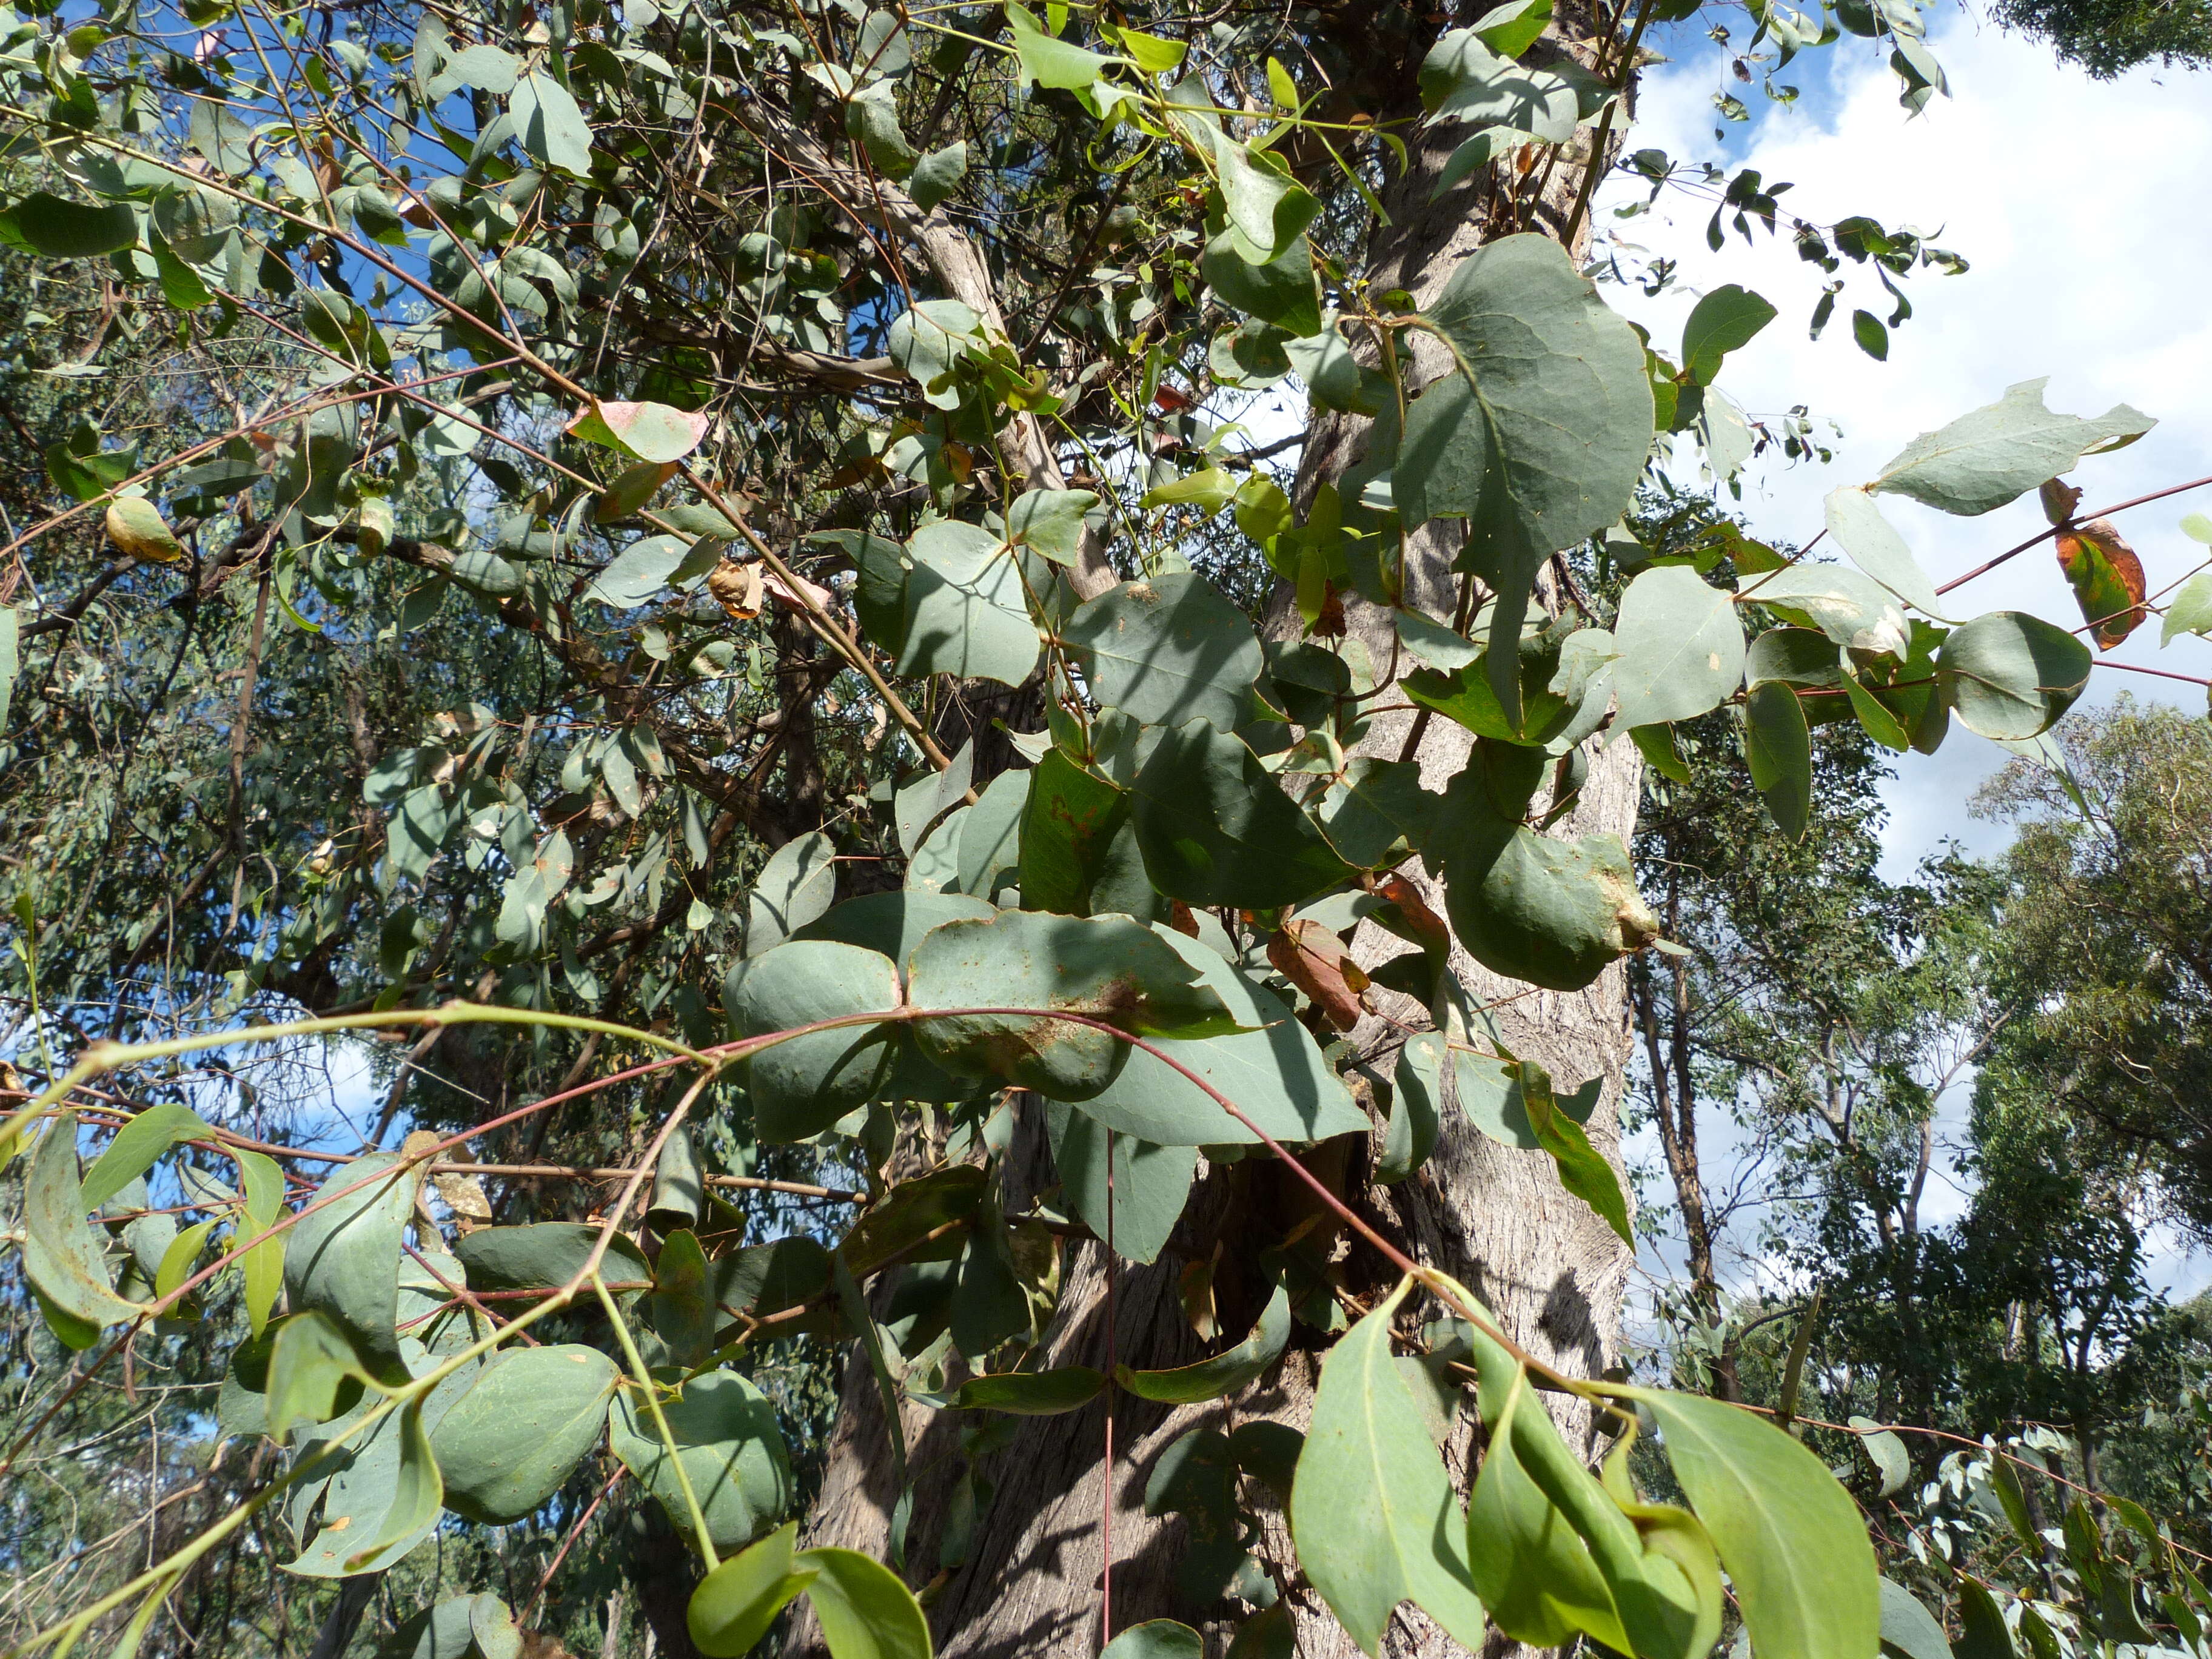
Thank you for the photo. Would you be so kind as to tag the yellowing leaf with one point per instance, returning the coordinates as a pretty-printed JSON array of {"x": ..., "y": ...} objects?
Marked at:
[{"x": 136, "y": 525}]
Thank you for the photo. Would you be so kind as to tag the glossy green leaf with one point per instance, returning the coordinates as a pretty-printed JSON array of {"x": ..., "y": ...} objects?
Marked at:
[
  {"x": 1051, "y": 521},
  {"x": 1031, "y": 1394},
  {"x": 727, "y": 1434},
  {"x": 735, "y": 1604},
  {"x": 1050, "y": 62},
  {"x": 1582, "y": 1170},
  {"x": 527, "y": 1419},
  {"x": 801, "y": 1087},
  {"x": 1779, "y": 747},
  {"x": 1998, "y": 453},
  {"x": 1680, "y": 647},
  {"x": 179, "y": 1260},
  {"x": 1149, "y": 1188},
  {"x": 1791, "y": 1540},
  {"x": 866, "y": 1612},
  {"x": 2011, "y": 675},
  {"x": 1724, "y": 320},
  {"x": 1109, "y": 967},
  {"x": 1168, "y": 651},
  {"x": 1216, "y": 828},
  {"x": 1224, "y": 1374},
  {"x": 262, "y": 1267},
  {"x": 1373, "y": 1513}
]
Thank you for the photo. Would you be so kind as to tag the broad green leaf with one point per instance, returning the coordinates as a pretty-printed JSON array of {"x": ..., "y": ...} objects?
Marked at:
[
  {"x": 989, "y": 849},
  {"x": 1049, "y": 61},
  {"x": 61, "y": 1255},
  {"x": 1779, "y": 747},
  {"x": 1272, "y": 1071},
  {"x": 2011, "y": 675},
  {"x": 1555, "y": 1551},
  {"x": 1853, "y": 610},
  {"x": 960, "y": 607},
  {"x": 1150, "y": 1183},
  {"x": 449, "y": 1631},
  {"x": 927, "y": 341},
  {"x": 1373, "y": 1513},
  {"x": 794, "y": 888},
  {"x": 1582, "y": 1170},
  {"x": 138, "y": 1145},
  {"x": 47, "y": 224},
  {"x": 343, "y": 1257},
  {"x": 310, "y": 1361},
  {"x": 1168, "y": 651},
  {"x": 1680, "y": 647},
  {"x": 725, "y": 1434},
  {"x": 639, "y": 572},
  {"x": 735, "y": 1604},
  {"x": 1376, "y": 813},
  {"x": 1554, "y": 913},
  {"x": 1791, "y": 1540},
  {"x": 1724, "y": 321},
  {"x": 544, "y": 1255},
  {"x": 1156, "y": 1638},
  {"x": 1464, "y": 80},
  {"x": 766, "y": 1279},
  {"x": 417, "y": 1494},
  {"x": 554, "y": 130},
  {"x": 1266, "y": 209},
  {"x": 1908, "y": 1627},
  {"x": 1216, "y": 828},
  {"x": 2189, "y": 611},
  {"x": 1982, "y": 1632},
  {"x": 527, "y": 1419},
  {"x": 1281, "y": 291},
  {"x": 1792, "y": 656},
  {"x": 1334, "y": 377},
  {"x": 866, "y": 1612},
  {"x": 645, "y": 432},
  {"x": 632, "y": 488},
  {"x": 1051, "y": 521},
  {"x": 1856, "y": 523},
  {"x": 1417, "y": 1092},
  {"x": 1031, "y": 1394},
  {"x": 1150, "y": 53},
  {"x": 801, "y": 1087},
  {"x": 1224, "y": 1374},
  {"x": 1539, "y": 436},
  {"x": 937, "y": 174},
  {"x": 177, "y": 1262},
  {"x": 1069, "y": 820},
  {"x": 1887, "y": 1453},
  {"x": 1109, "y": 968},
  {"x": 1997, "y": 453}
]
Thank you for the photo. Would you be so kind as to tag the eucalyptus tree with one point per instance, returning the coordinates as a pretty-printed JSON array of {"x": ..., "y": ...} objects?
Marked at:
[{"x": 737, "y": 517}]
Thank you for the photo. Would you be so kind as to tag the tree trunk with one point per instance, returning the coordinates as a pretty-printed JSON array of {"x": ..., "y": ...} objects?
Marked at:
[{"x": 1495, "y": 1218}]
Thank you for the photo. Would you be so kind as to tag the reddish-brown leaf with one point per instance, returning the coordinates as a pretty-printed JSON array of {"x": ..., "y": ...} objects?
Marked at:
[{"x": 2107, "y": 580}]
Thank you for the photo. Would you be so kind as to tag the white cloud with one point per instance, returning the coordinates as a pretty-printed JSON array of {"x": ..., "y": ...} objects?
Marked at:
[{"x": 2076, "y": 204}]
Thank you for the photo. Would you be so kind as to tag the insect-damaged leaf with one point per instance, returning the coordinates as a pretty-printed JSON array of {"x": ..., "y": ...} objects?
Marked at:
[{"x": 1107, "y": 967}]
